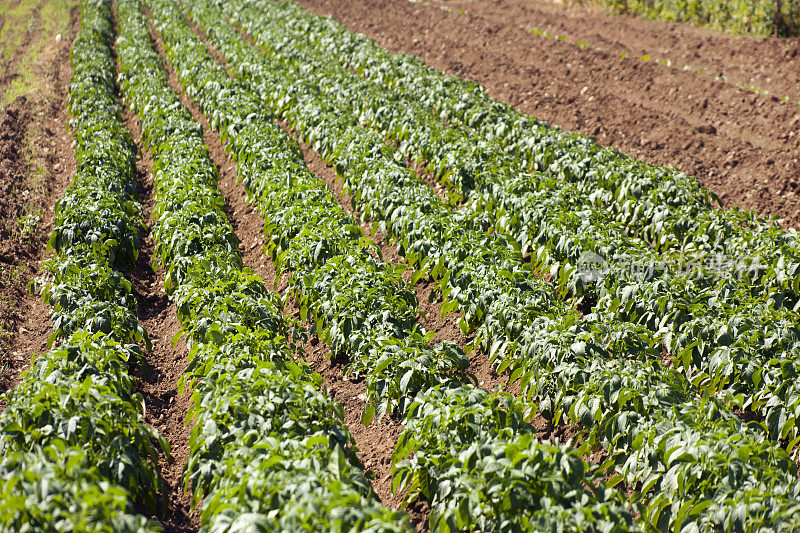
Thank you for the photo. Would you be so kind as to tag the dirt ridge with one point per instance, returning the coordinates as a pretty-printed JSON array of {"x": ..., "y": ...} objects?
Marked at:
[{"x": 166, "y": 408}]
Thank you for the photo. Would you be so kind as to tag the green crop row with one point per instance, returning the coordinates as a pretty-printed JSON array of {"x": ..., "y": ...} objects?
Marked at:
[
  {"x": 696, "y": 292},
  {"x": 756, "y": 17},
  {"x": 75, "y": 452},
  {"x": 633, "y": 408},
  {"x": 343, "y": 290},
  {"x": 268, "y": 450}
]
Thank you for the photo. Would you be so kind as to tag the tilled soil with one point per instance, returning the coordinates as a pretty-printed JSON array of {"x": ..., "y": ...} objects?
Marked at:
[
  {"x": 706, "y": 52},
  {"x": 15, "y": 250},
  {"x": 36, "y": 165},
  {"x": 743, "y": 146}
]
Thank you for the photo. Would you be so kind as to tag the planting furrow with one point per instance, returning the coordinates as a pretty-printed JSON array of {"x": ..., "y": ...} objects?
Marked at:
[
  {"x": 695, "y": 290},
  {"x": 76, "y": 453},
  {"x": 626, "y": 405},
  {"x": 294, "y": 204},
  {"x": 268, "y": 449},
  {"x": 164, "y": 364}
]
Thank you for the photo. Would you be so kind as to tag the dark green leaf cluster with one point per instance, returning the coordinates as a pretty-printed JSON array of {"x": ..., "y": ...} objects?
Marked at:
[
  {"x": 80, "y": 397},
  {"x": 476, "y": 459},
  {"x": 269, "y": 450},
  {"x": 54, "y": 488}
]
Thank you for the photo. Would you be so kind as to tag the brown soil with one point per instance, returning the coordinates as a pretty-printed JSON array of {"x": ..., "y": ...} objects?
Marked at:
[
  {"x": 36, "y": 165},
  {"x": 708, "y": 53},
  {"x": 743, "y": 146},
  {"x": 165, "y": 408},
  {"x": 15, "y": 248}
]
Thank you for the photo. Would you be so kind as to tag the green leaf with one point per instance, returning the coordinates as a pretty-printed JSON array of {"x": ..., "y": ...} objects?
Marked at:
[{"x": 368, "y": 414}]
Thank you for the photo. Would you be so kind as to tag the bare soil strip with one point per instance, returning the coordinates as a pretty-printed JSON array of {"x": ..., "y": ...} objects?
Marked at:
[
  {"x": 165, "y": 408},
  {"x": 743, "y": 146},
  {"x": 36, "y": 165},
  {"x": 706, "y": 52}
]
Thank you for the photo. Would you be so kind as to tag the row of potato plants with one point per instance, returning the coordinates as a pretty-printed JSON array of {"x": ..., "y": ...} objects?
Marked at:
[
  {"x": 75, "y": 453},
  {"x": 569, "y": 367},
  {"x": 484, "y": 476},
  {"x": 269, "y": 450},
  {"x": 699, "y": 304}
]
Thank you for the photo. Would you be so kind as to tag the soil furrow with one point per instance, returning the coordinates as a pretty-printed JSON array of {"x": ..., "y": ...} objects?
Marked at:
[
  {"x": 741, "y": 145},
  {"x": 166, "y": 409}
]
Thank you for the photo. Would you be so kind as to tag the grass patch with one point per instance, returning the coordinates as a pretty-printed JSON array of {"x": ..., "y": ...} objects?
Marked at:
[{"x": 42, "y": 20}]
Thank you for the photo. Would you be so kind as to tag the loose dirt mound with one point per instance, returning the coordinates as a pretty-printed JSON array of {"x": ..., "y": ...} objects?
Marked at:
[
  {"x": 743, "y": 146},
  {"x": 13, "y": 171},
  {"x": 36, "y": 164},
  {"x": 15, "y": 252}
]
